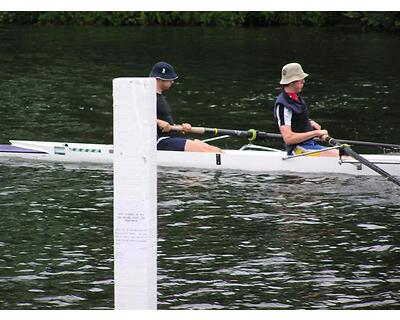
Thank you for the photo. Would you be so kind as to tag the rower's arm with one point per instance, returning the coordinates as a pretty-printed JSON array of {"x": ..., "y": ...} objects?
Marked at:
[{"x": 291, "y": 137}]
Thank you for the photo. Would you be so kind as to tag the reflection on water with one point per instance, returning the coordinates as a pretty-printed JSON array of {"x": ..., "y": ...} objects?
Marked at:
[
  {"x": 226, "y": 240},
  {"x": 52, "y": 220},
  {"x": 258, "y": 241}
]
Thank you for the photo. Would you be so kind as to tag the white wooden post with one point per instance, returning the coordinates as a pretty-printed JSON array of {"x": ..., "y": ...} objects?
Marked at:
[{"x": 135, "y": 193}]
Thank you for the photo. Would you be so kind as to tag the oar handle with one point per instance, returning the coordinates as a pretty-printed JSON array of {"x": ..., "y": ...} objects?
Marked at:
[{"x": 198, "y": 130}]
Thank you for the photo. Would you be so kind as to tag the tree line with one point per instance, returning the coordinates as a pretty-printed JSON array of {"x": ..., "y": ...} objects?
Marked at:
[{"x": 389, "y": 21}]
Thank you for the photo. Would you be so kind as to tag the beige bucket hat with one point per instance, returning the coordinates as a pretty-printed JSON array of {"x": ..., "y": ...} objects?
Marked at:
[{"x": 292, "y": 72}]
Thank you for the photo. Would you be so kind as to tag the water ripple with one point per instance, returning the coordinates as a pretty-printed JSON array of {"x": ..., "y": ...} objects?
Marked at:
[{"x": 277, "y": 248}]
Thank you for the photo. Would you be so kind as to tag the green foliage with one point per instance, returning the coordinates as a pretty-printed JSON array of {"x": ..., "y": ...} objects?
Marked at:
[{"x": 375, "y": 20}]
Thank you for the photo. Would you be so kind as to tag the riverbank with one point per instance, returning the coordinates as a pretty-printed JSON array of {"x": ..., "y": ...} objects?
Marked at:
[{"x": 385, "y": 21}]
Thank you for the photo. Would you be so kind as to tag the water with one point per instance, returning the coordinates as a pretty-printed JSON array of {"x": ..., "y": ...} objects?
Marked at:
[
  {"x": 324, "y": 249},
  {"x": 227, "y": 240}
]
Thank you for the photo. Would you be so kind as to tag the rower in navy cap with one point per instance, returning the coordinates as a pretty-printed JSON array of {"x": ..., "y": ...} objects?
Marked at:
[{"x": 165, "y": 75}]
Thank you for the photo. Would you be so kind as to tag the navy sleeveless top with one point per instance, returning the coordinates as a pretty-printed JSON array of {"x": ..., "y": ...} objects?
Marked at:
[
  {"x": 300, "y": 114},
  {"x": 164, "y": 112}
]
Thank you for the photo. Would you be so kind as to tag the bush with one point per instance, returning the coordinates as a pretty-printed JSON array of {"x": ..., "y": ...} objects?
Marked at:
[{"x": 375, "y": 20}]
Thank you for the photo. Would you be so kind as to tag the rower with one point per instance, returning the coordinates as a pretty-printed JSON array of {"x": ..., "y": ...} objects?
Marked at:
[
  {"x": 165, "y": 76},
  {"x": 292, "y": 114}
]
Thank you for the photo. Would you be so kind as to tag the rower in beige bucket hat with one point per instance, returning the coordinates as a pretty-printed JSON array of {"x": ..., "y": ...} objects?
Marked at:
[{"x": 292, "y": 72}]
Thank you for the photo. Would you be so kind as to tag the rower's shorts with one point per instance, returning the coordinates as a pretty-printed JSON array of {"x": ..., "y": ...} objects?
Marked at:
[
  {"x": 171, "y": 144},
  {"x": 308, "y": 146}
]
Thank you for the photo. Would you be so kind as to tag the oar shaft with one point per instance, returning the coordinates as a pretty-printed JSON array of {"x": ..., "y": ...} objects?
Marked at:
[
  {"x": 370, "y": 144},
  {"x": 252, "y": 134},
  {"x": 215, "y": 131},
  {"x": 229, "y": 132},
  {"x": 362, "y": 160}
]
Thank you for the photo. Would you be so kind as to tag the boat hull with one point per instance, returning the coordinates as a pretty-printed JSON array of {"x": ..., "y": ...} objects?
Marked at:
[
  {"x": 261, "y": 161},
  {"x": 248, "y": 160}
]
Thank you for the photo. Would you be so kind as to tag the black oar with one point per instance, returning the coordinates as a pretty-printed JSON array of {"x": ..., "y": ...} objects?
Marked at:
[
  {"x": 362, "y": 160},
  {"x": 370, "y": 144},
  {"x": 253, "y": 134}
]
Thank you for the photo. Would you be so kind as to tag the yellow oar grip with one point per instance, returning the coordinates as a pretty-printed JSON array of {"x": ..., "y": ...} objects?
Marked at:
[{"x": 253, "y": 133}]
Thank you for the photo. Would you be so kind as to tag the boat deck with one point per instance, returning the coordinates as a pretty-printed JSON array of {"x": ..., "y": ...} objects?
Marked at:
[{"x": 6, "y": 148}]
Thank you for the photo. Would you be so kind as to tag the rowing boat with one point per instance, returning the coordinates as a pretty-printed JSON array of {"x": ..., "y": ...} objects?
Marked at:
[{"x": 248, "y": 158}]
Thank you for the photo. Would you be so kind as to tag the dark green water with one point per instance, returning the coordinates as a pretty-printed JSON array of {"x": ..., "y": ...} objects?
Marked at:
[{"x": 227, "y": 240}]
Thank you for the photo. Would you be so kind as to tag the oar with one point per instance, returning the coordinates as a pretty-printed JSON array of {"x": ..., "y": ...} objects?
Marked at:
[
  {"x": 362, "y": 160},
  {"x": 253, "y": 134},
  {"x": 370, "y": 144}
]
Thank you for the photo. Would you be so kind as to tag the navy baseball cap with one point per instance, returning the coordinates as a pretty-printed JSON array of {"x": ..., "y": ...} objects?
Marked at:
[{"x": 164, "y": 71}]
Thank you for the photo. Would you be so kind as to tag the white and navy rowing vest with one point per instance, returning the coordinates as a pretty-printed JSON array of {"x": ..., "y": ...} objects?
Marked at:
[{"x": 288, "y": 111}]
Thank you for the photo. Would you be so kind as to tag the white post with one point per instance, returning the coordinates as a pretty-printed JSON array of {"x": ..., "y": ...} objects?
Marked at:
[{"x": 135, "y": 193}]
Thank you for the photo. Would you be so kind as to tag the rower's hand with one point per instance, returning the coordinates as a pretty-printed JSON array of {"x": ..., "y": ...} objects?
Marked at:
[
  {"x": 186, "y": 127},
  {"x": 321, "y": 134},
  {"x": 315, "y": 125},
  {"x": 164, "y": 125}
]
